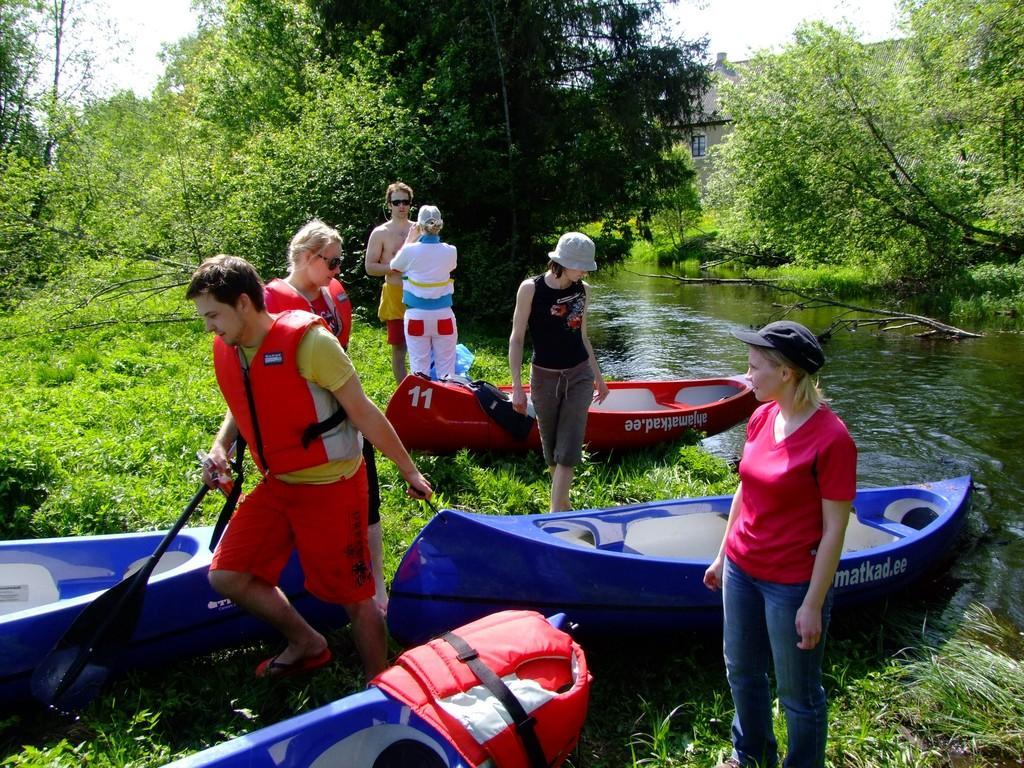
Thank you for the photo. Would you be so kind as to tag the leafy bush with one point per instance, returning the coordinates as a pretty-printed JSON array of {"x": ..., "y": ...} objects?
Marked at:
[
  {"x": 1003, "y": 281},
  {"x": 26, "y": 476}
]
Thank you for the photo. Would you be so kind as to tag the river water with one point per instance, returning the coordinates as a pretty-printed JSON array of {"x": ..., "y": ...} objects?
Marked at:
[{"x": 918, "y": 409}]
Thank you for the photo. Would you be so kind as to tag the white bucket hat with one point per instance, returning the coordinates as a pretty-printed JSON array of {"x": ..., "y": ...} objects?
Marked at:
[{"x": 574, "y": 251}]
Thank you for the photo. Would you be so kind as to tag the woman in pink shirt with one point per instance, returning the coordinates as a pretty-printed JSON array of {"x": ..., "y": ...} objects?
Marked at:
[{"x": 781, "y": 548}]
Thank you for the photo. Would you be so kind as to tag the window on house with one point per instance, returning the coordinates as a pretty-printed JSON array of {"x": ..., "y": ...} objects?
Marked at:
[{"x": 698, "y": 145}]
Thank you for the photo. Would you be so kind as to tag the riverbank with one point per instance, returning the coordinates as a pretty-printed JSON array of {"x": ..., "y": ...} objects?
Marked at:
[
  {"x": 988, "y": 296},
  {"x": 102, "y": 425}
]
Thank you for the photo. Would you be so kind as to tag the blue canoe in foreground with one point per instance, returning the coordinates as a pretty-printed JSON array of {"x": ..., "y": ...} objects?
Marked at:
[
  {"x": 46, "y": 583},
  {"x": 368, "y": 729},
  {"x": 378, "y": 728},
  {"x": 640, "y": 568}
]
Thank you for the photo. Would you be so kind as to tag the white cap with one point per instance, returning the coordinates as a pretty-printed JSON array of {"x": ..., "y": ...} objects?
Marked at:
[{"x": 429, "y": 215}]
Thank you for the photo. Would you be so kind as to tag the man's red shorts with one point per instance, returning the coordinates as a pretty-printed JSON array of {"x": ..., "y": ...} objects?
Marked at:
[
  {"x": 396, "y": 332},
  {"x": 325, "y": 523}
]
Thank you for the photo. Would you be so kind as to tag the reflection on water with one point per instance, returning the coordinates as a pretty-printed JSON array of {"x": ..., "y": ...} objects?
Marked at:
[{"x": 918, "y": 409}]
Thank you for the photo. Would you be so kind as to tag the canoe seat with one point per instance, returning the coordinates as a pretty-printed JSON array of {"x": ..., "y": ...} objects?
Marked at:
[
  {"x": 704, "y": 394},
  {"x": 911, "y": 512},
  {"x": 635, "y": 399},
  {"x": 167, "y": 561},
  {"x": 860, "y": 536},
  {"x": 580, "y": 536},
  {"x": 691, "y": 537},
  {"x": 25, "y": 585}
]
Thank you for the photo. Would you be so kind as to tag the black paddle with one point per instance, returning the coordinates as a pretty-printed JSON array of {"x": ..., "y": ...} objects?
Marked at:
[{"x": 71, "y": 675}]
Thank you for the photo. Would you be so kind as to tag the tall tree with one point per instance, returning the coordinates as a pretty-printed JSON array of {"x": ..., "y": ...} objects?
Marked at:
[
  {"x": 843, "y": 151},
  {"x": 68, "y": 47},
  {"x": 971, "y": 65},
  {"x": 540, "y": 115},
  {"x": 246, "y": 68},
  {"x": 18, "y": 58}
]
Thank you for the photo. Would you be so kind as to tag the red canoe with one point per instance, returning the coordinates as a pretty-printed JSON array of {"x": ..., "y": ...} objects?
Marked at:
[{"x": 442, "y": 417}]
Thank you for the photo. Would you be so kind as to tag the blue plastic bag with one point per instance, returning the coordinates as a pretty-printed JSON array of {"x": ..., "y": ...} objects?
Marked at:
[{"x": 463, "y": 361}]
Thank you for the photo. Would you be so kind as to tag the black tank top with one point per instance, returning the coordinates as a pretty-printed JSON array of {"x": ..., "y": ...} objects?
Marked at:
[{"x": 556, "y": 325}]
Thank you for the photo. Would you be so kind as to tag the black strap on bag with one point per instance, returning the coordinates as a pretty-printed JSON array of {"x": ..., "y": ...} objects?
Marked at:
[
  {"x": 498, "y": 407},
  {"x": 523, "y": 722},
  {"x": 236, "y": 491}
]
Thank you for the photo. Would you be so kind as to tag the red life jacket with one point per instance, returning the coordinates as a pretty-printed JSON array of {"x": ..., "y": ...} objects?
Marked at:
[
  {"x": 542, "y": 667},
  {"x": 286, "y": 404},
  {"x": 281, "y": 295}
]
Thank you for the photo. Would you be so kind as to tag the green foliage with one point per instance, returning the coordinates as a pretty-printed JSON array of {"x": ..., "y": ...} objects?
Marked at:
[
  {"x": 349, "y": 134},
  {"x": 991, "y": 292},
  {"x": 677, "y": 207},
  {"x": 498, "y": 88},
  {"x": 864, "y": 155},
  {"x": 28, "y": 256},
  {"x": 247, "y": 68},
  {"x": 120, "y": 424},
  {"x": 970, "y": 689},
  {"x": 969, "y": 57},
  {"x": 19, "y": 135},
  {"x": 26, "y": 474},
  {"x": 827, "y": 280},
  {"x": 280, "y": 110}
]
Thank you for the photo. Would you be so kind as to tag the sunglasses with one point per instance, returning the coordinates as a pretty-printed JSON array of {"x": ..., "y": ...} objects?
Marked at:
[
  {"x": 334, "y": 263},
  {"x": 402, "y": 202}
]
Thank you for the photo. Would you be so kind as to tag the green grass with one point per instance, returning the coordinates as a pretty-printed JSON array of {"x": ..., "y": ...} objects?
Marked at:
[
  {"x": 100, "y": 436},
  {"x": 671, "y": 248}
]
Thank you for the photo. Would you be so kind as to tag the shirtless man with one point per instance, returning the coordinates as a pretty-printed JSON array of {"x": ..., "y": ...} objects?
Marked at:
[{"x": 382, "y": 246}]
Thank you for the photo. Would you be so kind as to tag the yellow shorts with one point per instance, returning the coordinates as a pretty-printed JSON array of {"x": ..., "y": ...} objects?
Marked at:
[{"x": 391, "y": 306}]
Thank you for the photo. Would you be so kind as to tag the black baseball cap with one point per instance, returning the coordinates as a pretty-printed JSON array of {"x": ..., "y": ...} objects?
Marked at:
[{"x": 792, "y": 340}]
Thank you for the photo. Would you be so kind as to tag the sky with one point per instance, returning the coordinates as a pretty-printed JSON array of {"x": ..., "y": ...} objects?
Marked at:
[
  {"x": 735, "y": 27},
  {"x": 741, "y": 27},
  {"x": 144, "y": 26}
]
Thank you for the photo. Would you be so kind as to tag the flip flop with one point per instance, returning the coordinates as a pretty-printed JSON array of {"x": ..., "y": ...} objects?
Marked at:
[{"x": 273, "y": 668}]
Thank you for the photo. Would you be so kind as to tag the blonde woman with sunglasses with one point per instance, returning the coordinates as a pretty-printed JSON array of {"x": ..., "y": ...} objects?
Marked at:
[{"x": 312, "y": 285}]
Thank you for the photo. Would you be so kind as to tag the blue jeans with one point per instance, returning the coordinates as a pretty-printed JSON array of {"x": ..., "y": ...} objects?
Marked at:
[{"x": 760, "y": 626}]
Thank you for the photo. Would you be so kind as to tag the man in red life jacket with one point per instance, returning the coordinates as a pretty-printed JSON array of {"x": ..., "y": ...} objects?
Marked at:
[{"x": 294, "y": 396}]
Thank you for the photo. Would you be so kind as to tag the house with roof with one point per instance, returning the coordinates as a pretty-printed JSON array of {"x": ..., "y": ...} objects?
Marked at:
[{"x": 711, "y": 125}]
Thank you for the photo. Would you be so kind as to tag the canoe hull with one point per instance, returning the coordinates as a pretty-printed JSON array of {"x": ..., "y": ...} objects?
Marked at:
[
  {"x": 615, "y": 571},
  {"x": 181, "y": 616},
  {"x": 367, "y": 728},
  {"x": 444, "y": 417}
]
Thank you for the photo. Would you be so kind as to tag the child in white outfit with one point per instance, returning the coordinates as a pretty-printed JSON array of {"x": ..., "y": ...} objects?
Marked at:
[{"x": 427, "y": 264}]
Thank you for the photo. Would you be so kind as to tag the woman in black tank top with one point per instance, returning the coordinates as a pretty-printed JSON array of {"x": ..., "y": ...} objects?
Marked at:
[{"x": 564, "y": 372}]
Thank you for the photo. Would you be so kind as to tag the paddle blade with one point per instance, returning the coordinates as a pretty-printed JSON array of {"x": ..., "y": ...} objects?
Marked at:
[
  {"x": 104, "y": 627},
  {"x": 75, "y": 670},
  {"x": 56, "y": 684}
]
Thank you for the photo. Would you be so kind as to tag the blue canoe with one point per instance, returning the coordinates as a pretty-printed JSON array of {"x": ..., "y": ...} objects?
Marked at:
[
  {"x": 368, "y": 729},
  {"x": 46, "y": 583},
  {"x": 640, "y": 568}
]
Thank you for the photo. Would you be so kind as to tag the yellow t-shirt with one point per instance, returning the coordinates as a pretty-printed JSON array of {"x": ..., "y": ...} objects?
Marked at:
[{"x": 321, "y": 360}]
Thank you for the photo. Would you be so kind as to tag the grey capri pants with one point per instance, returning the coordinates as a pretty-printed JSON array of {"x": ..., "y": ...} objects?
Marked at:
[{"x": 560, "y": 400}]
